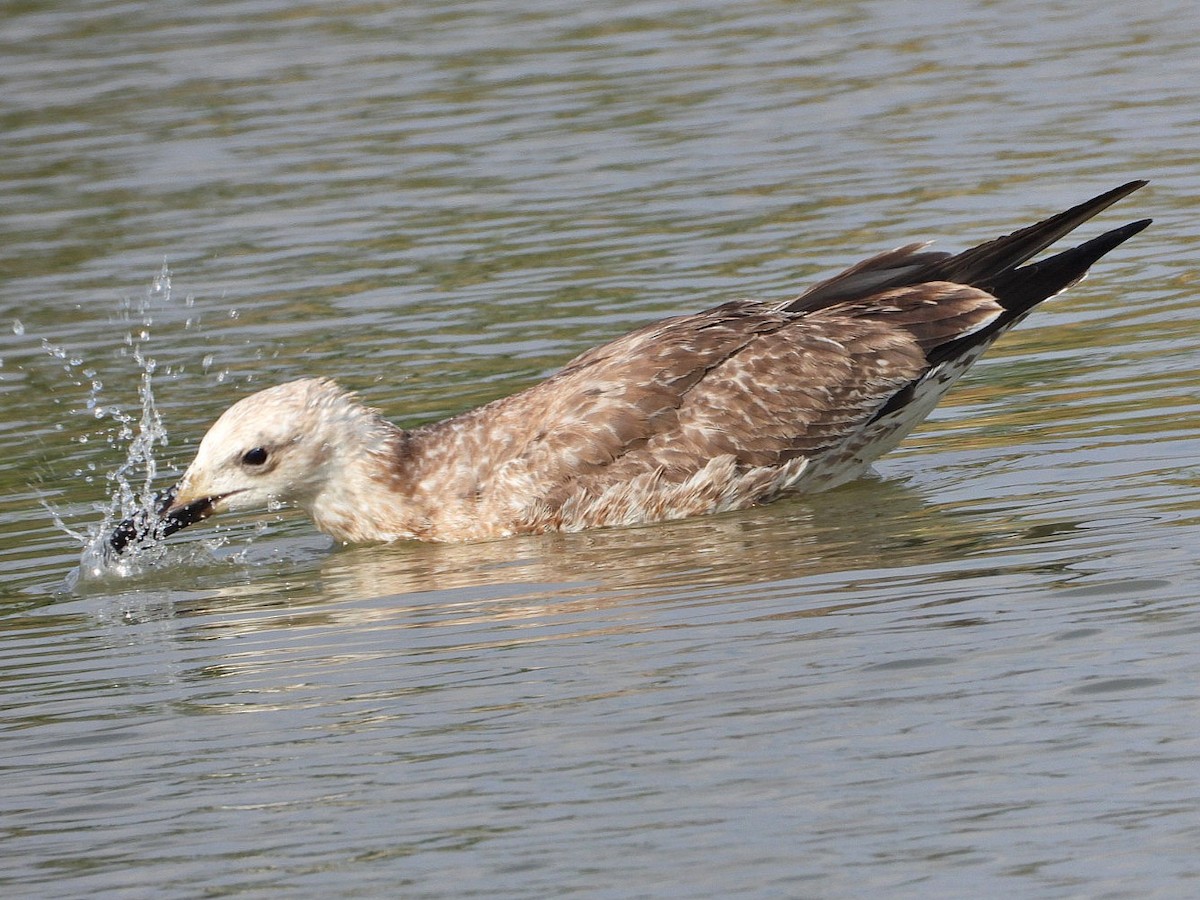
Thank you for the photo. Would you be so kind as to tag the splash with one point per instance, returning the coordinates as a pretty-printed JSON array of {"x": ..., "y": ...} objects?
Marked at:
[{"x": 131, "y": 493}]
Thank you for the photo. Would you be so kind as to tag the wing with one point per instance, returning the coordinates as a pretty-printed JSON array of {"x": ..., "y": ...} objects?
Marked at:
[
  {"x": 611, "y": 402},
  {"x": 803, "y": 389},
  {"x": 743, "y": 382}
]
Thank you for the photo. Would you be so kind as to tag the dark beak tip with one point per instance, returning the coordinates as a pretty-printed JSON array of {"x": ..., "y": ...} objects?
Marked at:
[{"x": 164, "y": 519}]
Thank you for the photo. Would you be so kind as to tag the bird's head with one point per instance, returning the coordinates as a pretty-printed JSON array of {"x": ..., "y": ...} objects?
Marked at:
[{"x": 277, "y": 448}]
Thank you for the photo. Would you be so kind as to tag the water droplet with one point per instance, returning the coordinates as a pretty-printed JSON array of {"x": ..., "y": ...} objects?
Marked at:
[
  {"x": 162, "y": 282},
  {"x": 18, "y": 327},
  {"x": 206, "y": 363}
]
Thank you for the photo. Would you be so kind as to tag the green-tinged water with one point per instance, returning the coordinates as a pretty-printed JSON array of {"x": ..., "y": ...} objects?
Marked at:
[{"x": 974, "y": 674}]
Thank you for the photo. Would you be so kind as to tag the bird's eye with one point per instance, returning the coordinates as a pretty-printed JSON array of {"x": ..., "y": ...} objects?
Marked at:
[{"x": 255, "y": 457}]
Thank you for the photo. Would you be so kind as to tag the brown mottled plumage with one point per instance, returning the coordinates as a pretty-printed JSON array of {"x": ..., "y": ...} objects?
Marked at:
[{"x": 696, "y": 414}]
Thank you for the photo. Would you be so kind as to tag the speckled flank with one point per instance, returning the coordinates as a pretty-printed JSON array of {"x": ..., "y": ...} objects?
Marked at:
[{"x": 696, "y": 414}]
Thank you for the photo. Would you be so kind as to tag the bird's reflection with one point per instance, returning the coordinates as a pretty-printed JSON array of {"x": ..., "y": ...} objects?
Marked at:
[
  {"x": 874, "y": 528},
  {"x": 869, "y": 524}
]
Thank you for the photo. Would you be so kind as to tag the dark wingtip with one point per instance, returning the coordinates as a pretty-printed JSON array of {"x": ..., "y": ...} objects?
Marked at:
[
  {"x": 982, "y": 265},
  {"x": 1101, "y": 202},
  {"x": 1134, "y": 227},
  {"x": 1120, "y": 191},
  {"x": 1090, "y": 251},
  {"x": 1023, "y": 288}
]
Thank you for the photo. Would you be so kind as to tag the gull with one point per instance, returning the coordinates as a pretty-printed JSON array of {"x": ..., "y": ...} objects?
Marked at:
[{"x": 719, "y": 410}]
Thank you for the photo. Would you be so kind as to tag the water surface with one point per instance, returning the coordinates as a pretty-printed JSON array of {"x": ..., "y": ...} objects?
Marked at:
[{"x": 974, "y": 673}]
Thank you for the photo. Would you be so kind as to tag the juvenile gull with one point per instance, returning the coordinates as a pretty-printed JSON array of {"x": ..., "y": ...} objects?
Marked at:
[{"x": 696, "y": 414}]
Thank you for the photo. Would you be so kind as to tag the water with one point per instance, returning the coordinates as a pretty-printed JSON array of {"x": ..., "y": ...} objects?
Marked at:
[{"x": 973, "y": 674}]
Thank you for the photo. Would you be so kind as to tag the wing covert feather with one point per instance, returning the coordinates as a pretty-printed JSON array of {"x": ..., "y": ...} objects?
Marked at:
[{"x": 745, "y": 380}]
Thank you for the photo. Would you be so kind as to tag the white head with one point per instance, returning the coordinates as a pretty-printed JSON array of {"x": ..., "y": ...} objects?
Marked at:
[{"x": 280, "y": 447}]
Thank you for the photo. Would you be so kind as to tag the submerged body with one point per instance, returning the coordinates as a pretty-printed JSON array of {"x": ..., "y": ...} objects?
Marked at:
[{"x": 701, "y": 413}]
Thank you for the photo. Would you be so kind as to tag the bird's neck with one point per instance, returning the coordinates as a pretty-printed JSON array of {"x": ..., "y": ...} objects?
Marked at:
[
  {"x": 367, "y": 492},
  {"x": 425, "y": 484}
]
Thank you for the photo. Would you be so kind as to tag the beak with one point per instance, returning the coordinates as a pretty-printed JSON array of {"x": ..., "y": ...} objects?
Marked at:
[{"x": 166, "y": 518}]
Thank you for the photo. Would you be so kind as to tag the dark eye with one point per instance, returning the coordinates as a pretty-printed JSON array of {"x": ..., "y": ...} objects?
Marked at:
[{"x": 255, "y": 457}]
